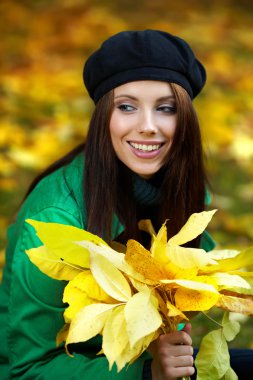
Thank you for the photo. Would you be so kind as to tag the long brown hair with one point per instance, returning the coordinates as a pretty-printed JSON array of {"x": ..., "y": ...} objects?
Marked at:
[{"x": 182, "y": 178}]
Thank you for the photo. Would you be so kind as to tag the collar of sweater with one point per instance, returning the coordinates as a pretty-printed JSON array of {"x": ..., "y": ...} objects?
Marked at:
[{"x": 145, "y": 192}]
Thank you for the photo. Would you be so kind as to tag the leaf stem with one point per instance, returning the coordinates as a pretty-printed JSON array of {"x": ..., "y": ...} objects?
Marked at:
[{"x": 211, "y": 319}]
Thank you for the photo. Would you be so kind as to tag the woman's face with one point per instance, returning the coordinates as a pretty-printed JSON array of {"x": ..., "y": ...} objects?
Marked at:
[{"x": 143, "y": 125}]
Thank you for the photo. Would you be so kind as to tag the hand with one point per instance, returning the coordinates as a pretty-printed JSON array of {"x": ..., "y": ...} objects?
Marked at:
[{"x": 172, "y": 355}]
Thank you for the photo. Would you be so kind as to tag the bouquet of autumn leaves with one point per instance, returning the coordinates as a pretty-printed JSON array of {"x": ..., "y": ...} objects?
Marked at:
[{"x": 130, "y": 295}]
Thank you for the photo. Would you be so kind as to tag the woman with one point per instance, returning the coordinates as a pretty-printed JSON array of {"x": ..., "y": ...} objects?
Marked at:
[{"x": 142, "y": 159}]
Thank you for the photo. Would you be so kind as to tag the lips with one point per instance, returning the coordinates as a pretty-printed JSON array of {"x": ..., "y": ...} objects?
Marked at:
[{"x": 150, "y": 147}]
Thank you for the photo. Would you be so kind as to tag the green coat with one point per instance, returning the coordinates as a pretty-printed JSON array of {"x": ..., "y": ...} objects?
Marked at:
[{"x": 31, "y": 307}]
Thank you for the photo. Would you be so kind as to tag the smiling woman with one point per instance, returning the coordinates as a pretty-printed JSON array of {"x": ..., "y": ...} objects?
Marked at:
[
  {"x": 143, "y": 124},
  {"x": 142, "y": 160}
]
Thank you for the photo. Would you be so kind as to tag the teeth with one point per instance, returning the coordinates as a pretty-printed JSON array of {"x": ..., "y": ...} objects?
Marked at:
[{"x": 145, "y": 148}]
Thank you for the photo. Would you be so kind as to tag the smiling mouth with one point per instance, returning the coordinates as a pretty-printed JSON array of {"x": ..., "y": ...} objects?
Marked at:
[{"x": 145, "y": 147}]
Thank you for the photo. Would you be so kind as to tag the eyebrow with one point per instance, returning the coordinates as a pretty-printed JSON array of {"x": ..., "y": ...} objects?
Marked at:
[{"x": 162, "y": 98}]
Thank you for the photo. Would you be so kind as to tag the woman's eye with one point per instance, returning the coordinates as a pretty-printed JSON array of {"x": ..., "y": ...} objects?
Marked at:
[
  {"x": 167, "y": 109},
  {"x": 125, "y": 107}
]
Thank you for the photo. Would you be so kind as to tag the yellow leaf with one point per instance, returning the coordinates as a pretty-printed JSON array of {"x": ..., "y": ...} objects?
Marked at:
[
  {"x": 229, "y": 281},
  {"x": 160, "y": 254},
  {"x": 146, "y": 225},
  {"x": 218, "y": 254},
  {"x": 173, "y": 311},
  {"x": 188, "y": 258},
  {"x": 62, "y": 335},
  {"x": 236, "y": 304},
  {"x": 61, "y": 240},
  {"x": 162, "y": 234},
  {"x": 116, "y": 246},
  {"x": 142, "y": 261},
  {"x": 83, "y": 290},
  {"x": 194, "y": 300},
  {"x": 142, "y": 316},
  {"x": 242, "y": 260},
  {"x": 109, "y": 278},
  {"x": 201, "y": 283},
  {"x": 116, "y": 258},
  {"x": 89, "y": 322},
  {"x": 195, "y": 225},
  {"x": 198, "y": 295},
  {"x": 51, "y": 265},
  {"x": 139, "y": 286},
  {"x": 130, "y": 354},
  {"x": 115, "y": 337}
]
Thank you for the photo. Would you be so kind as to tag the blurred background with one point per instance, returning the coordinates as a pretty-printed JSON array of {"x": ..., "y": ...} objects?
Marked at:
[{"x": 44, "y": 107}]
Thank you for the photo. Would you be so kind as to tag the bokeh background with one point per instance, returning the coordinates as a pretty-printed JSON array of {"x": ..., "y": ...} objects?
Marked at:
[{"x": 44, "y": 108}]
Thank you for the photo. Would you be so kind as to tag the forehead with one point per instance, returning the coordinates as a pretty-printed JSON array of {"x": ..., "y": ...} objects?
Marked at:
[{"x": 147, "y": 88}]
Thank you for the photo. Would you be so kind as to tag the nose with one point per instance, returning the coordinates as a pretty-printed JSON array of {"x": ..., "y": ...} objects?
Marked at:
[{"x": 147, "y": 124}]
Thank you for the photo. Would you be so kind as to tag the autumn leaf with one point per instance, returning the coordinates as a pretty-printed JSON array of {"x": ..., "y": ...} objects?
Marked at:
[
  {"x": 51, "y": 265},
  {"x": 115, "y": 258},
  {"x": 188, "y": 258},
  {"x": 109, "y": 278},
  {"x": 89, "y": 322},
  {"x": 236, "y": 304},
  {"x": 195, "y": 225},
  {"x": 142, "y": 262},
  {"x": 142, "y": 316},
  {"x": 132, "y": 295},
  {"x": 60, "y": 240},
  {"x": 83, "y": 290},
  {"x": 115, "y": 337},
  {"x": 242, "y": 260}
]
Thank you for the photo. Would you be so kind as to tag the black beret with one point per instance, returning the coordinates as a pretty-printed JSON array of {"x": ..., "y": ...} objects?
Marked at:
[{"x": 143, "y": 55}]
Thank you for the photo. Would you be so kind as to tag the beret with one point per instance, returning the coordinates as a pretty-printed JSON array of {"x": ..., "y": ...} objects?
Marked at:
[{"x": 143, "y": 55}]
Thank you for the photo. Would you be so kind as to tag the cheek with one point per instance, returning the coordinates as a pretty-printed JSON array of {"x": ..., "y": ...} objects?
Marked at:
[
  {"x": 170, "y": 128},
  {"x": 118, "y": 128}
]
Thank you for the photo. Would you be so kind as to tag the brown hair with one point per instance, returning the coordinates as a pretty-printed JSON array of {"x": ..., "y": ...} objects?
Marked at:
[{"x": 182, "y": 178}]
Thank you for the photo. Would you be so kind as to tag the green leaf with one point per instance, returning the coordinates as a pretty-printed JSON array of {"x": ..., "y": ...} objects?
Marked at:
[
  {"x": 212, "y": 361},
  {"x": 230, "y": 375},
  {"x": 230, "y": 328}
]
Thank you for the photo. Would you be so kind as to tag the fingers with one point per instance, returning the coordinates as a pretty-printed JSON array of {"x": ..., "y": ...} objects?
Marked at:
[
  {"x": 174, "y": 350},
  {"x": 177, "y": 337},
  {"x": 187, "y": 328},
  {"x": 172, "y": 355},
  {"x": 167, "y": 370}
]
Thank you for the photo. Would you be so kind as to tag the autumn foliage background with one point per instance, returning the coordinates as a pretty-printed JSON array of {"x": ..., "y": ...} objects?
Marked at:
[{"x": 44, "y": 108}]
